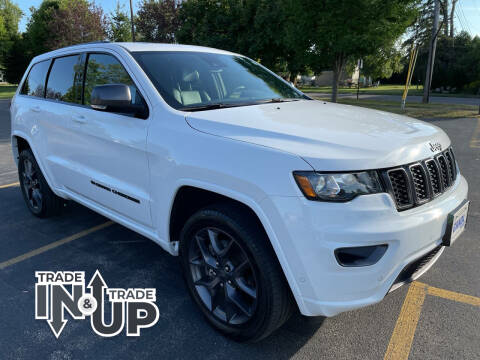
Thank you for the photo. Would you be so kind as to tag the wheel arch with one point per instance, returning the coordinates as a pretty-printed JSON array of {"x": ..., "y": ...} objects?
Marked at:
[
  {"x": 205, "y": 197},
  {"x": 182, "y": 208},
  {"x": 19, "y": 143}
]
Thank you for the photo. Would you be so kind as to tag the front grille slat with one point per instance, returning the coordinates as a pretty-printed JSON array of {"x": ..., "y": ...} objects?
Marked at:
[
  {"x": 415, "y": 184},
  {"x": 451, "y": 166},
  {"x": 444, "y": 171},
  {"x": 401, "y": 188},
  {"x": 420, "y": 183},
  {"x": 435, "y": 181}
]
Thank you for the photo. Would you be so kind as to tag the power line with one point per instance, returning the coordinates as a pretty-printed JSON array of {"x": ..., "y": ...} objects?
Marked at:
[
  {"x": 467, "y": 24},
  {"x": 460, "y": 21}
]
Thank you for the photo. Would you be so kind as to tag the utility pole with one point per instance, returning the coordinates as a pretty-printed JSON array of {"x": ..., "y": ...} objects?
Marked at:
[
  {"x": 452, "y": 14},
  {"x": 360, "y": 67},
  {"x": 431, "y": 54},
  {"x": 131, "y": 20}
]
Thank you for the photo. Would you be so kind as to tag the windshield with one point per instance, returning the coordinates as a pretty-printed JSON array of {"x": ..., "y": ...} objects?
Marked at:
[{"x": 198, "y": 81}]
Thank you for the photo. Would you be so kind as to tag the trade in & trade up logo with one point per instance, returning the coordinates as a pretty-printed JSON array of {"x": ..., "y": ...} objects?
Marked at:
[{"x": 57, "y": 292}]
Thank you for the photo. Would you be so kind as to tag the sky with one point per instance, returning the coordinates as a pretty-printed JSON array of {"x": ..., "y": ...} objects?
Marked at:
[
  {"x": 467, "y": 12},
  {"x": 107, "y": 5}
]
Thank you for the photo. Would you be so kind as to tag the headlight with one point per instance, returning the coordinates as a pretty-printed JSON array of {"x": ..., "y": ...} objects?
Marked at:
[{"x": 337, "y": 187}]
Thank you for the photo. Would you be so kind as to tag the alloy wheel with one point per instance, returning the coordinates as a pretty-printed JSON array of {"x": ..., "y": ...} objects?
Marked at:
[
  {"x": 223, "y": 276},
  {"x": 31, "y": 185}
]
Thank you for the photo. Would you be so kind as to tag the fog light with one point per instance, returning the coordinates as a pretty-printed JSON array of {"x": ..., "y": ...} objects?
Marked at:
[{"x": 360, "y": 256}]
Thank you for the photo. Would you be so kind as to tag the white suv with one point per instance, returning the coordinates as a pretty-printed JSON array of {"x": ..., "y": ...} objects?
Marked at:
[{"x": 272, "y": 200}]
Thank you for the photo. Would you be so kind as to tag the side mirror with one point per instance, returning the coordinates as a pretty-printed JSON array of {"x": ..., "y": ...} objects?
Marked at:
[{"x": 116, "y": 98}]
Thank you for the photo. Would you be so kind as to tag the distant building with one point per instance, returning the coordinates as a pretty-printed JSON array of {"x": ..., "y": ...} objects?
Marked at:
[
  {"x": 2, "y": 76},
  {"x": 325, "y": 78}
]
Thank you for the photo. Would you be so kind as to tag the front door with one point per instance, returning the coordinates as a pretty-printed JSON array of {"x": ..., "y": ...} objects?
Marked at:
[{"x": 108, "y": 150}]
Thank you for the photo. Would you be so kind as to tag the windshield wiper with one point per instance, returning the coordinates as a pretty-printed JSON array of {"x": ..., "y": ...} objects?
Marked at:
[
  {"x": 226, "y": 105},
  {"x": 208, "y": 107},
  {"x": 277, "y": 100}
]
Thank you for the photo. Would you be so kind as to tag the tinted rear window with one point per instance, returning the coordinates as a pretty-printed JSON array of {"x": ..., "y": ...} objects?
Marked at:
[
  {"x": 34, "y": 85},
  {"x": 65, "y": 80}
]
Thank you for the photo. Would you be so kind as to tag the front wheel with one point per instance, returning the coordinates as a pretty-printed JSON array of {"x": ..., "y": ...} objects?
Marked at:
[{"x": 232, "y": 273}]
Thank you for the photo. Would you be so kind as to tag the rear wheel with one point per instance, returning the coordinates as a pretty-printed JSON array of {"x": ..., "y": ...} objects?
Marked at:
[
  {"x": 232, "y": 273},
  {"x": 38, "y": 196}
]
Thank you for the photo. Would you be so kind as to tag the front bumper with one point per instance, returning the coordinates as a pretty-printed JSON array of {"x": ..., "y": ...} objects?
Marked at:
[{"x": 308, "y": 232}]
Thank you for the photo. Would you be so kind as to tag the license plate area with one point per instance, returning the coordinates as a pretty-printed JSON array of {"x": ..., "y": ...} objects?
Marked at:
[{"x": 456, "y": 222}]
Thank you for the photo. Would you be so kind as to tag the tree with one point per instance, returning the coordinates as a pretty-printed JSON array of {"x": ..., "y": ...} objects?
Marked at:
[
  {"x": 10, "y": 15},
  {"x": 257, "y": 28},
  {"x": 59, "y": 23},
  {"x": 16, "y": 60},
  {"x": 159, "y": 20},
  {"x": 220, "y": 24},
  {"x": 383, "y": 63},
  {"x": 54, "y": 24},
  {"x": 457, "y": 63},
  {"x": 3, "y": 31},
  {"x": 38, "y": 33},
  {"x": 421, "y": 30},
  {"x": 119, "y": 25},
  {"x": 342, "y": 30},
  {"x": 75, "y": 22}
]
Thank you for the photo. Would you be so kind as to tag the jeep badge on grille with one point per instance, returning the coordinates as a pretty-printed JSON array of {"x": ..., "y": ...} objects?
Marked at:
[{"x": 436, "y": 146}]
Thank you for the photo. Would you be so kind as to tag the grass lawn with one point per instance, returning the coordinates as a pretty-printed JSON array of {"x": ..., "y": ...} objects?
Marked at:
[
  {"x": 380, "y": 90},
  {"x": 7, "y": 91},
  {"x": 417, "y": 110}
]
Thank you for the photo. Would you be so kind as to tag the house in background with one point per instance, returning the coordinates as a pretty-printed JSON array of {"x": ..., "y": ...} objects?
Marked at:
[
  {"x": 2, "y": 75},
  {"x": 325, "y": 78}
]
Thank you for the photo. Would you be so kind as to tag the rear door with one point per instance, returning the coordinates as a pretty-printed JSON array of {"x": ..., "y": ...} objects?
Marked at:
[
  {"x": 29, "y": 108},
  {"x": 107, "y": 151},
  {"x": 63, "y": 94}
]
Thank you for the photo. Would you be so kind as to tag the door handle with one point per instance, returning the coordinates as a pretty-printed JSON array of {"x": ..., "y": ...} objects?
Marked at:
[
  {"x": 35, "y": 108},
  {"x": 79, "y": 119}
]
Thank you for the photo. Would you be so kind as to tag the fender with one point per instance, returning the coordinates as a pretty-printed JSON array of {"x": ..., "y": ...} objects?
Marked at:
[
  {"x": 257, "y": 209},
  {"x": 24, "y": 136}
]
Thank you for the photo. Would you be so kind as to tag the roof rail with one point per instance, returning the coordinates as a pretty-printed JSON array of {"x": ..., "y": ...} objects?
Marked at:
[
  {"x": 95, "y": 42},
  {"x": 90, "y": 42}
]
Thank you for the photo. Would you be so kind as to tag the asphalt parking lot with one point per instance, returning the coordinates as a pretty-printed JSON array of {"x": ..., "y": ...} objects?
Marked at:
[{"x": 436, "y": 318}]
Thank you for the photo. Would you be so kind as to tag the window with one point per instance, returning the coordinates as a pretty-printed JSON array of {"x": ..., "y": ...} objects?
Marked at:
[
  {"x": 65, "y": 80},
  {"x": 34, "y": 85},
  {"x": 194, "y": 79},
  {"x": 105, "y": 69}
]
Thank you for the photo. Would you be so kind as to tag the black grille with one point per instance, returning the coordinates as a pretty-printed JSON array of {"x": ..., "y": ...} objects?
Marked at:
[
  {"x": 420, "y": 183},
  {"x": 444, "y": 171},
  {"x": 408, "y": 273},
  {"x": 414, "y": 184},
  {"x": 435, "y": 180},
  {"x": 400, "y": 187},
  {"x": 451, "y": 166}
]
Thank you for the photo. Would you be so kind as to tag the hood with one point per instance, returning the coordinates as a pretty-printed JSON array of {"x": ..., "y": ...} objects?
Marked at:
[{"x": 330, "y": 137}]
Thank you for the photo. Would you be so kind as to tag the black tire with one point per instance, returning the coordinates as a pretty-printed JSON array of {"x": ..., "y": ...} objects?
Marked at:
[
  {"x": 38, "y": 196},
  {"x": 272, "y": 302}
]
